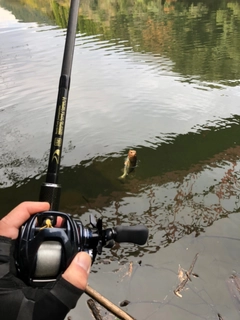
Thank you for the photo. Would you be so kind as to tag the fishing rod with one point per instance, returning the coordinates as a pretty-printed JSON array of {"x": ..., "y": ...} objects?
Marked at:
[
  {"x": 51, "y": 189},
  {"x": 44, "y": 250}
]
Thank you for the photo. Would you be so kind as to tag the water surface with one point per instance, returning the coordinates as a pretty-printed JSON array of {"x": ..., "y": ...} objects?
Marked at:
[{"x": 159, "y": 77}]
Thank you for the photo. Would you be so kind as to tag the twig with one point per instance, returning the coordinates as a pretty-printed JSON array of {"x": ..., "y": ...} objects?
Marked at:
[
  {"x": 94, "y": 309},
  {"x": 189, "y": 272},
  {"x": 181, "y": 286},
  {"x": 107, "y": 304}
]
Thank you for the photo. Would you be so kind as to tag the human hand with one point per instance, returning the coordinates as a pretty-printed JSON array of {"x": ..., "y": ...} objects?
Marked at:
[
  {"x": 10, "y": 224},
  {"x": 78, "y": 271}
]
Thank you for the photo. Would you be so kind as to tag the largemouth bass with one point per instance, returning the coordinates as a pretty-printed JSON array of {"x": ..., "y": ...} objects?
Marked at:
[{"x": 129, "y": 164}]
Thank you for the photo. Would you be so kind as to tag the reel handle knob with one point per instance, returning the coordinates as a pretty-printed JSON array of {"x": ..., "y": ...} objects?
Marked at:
[{"x": 134, "y": 234}]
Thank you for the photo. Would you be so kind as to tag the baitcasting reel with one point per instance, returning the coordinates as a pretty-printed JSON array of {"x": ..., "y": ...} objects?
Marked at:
[{"x": 44, "y": 251}]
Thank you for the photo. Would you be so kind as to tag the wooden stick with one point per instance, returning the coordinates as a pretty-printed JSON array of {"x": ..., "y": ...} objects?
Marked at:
[
  {"x": 181, "y": 286},
  {"x": 107, "y": 304},
  {"x": 94, "y": 309}
]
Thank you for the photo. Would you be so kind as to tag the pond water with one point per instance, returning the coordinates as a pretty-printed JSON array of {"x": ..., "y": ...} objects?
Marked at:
[{"x": 160, "y": 77}]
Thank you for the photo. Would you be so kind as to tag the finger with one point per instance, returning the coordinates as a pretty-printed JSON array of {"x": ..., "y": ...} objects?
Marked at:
[
  {"x": 59, "y": 222},
  {"x": 23, "y": 211},
  {"x": 10, "y": 224},
  {"x": 78, "y": 271}
]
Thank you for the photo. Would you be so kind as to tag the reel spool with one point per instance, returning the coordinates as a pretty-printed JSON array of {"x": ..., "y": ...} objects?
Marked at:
[{"x": 44, "y": 252}]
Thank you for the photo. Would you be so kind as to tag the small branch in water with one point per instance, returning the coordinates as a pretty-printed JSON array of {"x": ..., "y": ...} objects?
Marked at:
[
  {"x": 94, "y": 309},
  {"x": 107, "y": 304},
  {"x": 187, "y": 277}
]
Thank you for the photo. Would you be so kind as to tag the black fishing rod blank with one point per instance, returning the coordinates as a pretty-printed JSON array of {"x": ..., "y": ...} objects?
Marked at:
[
  {"x": 51, "y": 189},
  {"x": 43, "y": 249}
]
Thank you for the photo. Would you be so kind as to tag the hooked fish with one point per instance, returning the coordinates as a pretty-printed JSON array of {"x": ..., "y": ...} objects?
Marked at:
[{"x": 129, "y": 163}]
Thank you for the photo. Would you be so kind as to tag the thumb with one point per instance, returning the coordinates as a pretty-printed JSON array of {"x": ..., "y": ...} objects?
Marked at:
[{"x": 78, "y": 271}]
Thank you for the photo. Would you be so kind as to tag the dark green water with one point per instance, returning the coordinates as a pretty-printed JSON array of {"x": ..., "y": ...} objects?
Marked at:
[{"x": 161, "y": 78}]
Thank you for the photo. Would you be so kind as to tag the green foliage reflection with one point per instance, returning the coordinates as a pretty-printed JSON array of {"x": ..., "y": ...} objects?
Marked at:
[{"x": 201, "y": 38}]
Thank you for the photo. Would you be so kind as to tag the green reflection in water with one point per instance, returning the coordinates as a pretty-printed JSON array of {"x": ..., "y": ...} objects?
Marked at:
[
  {"x": 201, "y": 38},
  {"x": 180, "y": 187}
]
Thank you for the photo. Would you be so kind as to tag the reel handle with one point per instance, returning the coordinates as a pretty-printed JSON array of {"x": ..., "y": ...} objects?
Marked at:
[{"x": 133, "y": 234}]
